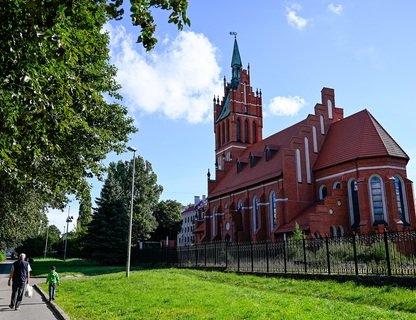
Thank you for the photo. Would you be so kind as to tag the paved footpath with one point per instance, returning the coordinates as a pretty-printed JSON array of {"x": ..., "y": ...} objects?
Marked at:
[{"x": 35, "y": 308}]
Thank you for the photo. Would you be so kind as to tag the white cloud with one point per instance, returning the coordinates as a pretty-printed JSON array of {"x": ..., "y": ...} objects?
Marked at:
[
  {"x": 178, "y": 81},
  {"x": 294, "y": 19},
  {"x": 336, "y": 8},
  {"x": 286, "y": 106}
]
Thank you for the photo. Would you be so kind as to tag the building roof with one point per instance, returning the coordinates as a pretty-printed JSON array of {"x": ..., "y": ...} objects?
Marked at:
[
  {"x": 358, "y": 136},
  {"x": 236, "y": 59},
  {"x": 225, "y": 109},
  {"x": 262, "y": 170}
]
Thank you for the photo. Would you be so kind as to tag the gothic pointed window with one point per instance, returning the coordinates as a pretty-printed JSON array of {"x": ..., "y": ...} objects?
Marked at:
[
  {"x": 323, "y": 192},
  {"x": 401, "y": 200},
  {"x": 273, "y": 210},
  {"x": 298, "y": 166},
  {"x": 254, "y": 132},
  {"x": 377, "y": 200},
  {"x": 354, "y": 208},
  {"x": 255, "y": 213},
  {"x": 240, "y": 207}
]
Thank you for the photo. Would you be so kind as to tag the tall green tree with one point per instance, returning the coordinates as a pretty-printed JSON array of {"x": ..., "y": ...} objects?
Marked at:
[
  {"x": 60, "y": 111},
  {"x": 84, "y": 213},
  {"x": 21, "y": 212},
  {"x": 108, "y": 231},
  {"x": 169, "y": 220}
]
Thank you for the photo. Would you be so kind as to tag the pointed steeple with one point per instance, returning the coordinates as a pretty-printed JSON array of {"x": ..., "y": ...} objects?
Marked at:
[
  {"x": 235, "y": 63},
  {"x": 236, "y": 59}
]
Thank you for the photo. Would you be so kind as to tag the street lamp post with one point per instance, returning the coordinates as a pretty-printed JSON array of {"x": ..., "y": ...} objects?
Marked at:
[
  {"x": 68, "y": 220},
  {"x": 46, "y": 241},
  {"x": 132, "y": 149}
]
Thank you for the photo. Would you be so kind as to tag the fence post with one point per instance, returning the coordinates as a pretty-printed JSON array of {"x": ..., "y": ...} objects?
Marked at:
[
  {"x": 215, "y": 254},
  {"x": 196, "y": 255},
  {"x": 205, "y": 254},
  {"x": 267, "y": 256},
  {"x": 252, "y": 256},
  {"x": 284, "y": 255},
  {"x": 238, "y": 257},
  {"x": 179, "y": 256},
  {"x": 354, "y": 246},
  {"x": 304, "y": 254},
  {"x": 386, "y": 244},
  {"x": 327, "y": 255},
  {"x": 226, "y": 255}
]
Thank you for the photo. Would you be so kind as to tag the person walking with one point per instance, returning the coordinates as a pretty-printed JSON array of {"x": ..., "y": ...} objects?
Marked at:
[
  {"x": 53, "y": 280},
  {"x": 19, "y": 277}
]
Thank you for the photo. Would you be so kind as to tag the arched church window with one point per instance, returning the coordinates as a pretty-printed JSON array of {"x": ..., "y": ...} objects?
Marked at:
[
  {"x": 238, "y": 130},
  {"x": 323, "y": 192},
  {"x": 354, "y": 208},
  {"x": 401, "y": 199},
  {"x": 255, "y": 213},
  {"x": 273, "y": 210},
  {"x": 377, "y": 199},
  {"x": 298, "y": 166}
]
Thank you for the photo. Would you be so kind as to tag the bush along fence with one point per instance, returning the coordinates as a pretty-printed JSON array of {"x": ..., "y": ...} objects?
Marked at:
[{"x": 390, "y": 254}]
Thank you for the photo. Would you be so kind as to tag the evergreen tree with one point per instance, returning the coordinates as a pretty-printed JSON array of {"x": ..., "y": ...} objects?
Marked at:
[
  {"x": 107, "y": 233},
  {"x": 84, "y": 213}
]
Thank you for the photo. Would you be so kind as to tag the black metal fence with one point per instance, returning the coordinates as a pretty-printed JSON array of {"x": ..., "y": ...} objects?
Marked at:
[{"x": 392, "y": 254}]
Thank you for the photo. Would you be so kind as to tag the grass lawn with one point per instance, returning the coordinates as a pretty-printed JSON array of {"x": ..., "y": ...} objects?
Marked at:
[
  {"x": 191, "y": 294},
  {"x": 71, "y": 267}
]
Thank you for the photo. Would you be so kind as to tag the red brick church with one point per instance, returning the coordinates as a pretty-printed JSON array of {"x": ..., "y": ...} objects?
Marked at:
[{"x": 329, "y": 174}]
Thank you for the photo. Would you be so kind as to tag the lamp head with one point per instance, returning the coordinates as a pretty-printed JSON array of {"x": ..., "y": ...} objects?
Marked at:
[{"x": 132, "y": 149}]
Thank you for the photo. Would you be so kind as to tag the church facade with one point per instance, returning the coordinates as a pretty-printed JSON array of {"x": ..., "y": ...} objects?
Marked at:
[{"x": 328, "y": 174}]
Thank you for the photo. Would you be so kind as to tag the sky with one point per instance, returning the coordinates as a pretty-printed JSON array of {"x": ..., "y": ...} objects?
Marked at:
[{"x": 364, "y": 49}]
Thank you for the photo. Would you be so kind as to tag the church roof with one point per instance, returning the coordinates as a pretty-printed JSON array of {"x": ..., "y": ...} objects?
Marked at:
[
  {"x": 225, "y": 109},
  {"x": 356, "y": 137},
  {"x": 263, "y": 169}
]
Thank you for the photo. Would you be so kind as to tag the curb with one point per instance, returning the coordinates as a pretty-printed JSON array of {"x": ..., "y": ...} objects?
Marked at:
[{"x": 57, "y": 311}]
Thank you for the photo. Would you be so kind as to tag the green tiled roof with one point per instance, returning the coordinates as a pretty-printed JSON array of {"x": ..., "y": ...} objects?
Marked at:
[
  {"x": 236, "y": 59},
  {"x": 225, "y": 111}
]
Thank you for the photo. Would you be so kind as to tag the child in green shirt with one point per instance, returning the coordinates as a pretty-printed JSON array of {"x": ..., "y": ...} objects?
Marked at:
[{"x": 53, "y": 280}]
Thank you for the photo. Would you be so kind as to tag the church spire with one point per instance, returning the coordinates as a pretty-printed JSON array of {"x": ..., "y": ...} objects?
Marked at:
[{"x": 235, "y": 63}]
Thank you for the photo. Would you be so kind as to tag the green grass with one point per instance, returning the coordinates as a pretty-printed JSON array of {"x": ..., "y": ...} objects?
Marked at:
[
  {"x": 71, "y": 267},
  {"x": 164, "y": 294}
]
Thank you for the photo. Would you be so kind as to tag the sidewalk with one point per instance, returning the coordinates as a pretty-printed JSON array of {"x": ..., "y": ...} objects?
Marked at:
[{"x": 30, "y": 308}]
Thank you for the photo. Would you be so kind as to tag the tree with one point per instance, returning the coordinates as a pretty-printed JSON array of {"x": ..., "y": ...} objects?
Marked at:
[
  {"x": 141, "y": 15},
  {"x": 108, "y": 231},
  {"x": 84, "y": 213},
  {"x": 60, "y": 111},
  {"x": 34, "y": 245},
  {"x": 21, "y": 213},
  {"x": 169, "y": 220},
  {"x": 54, "y": 238}
]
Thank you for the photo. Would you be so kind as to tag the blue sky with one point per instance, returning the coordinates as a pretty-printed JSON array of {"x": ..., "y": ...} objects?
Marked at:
[{"x": 364, "y": 49}]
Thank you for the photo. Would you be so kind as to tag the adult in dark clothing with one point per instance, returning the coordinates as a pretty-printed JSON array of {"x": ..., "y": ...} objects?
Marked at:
[{"x": 19, "y": 276}]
